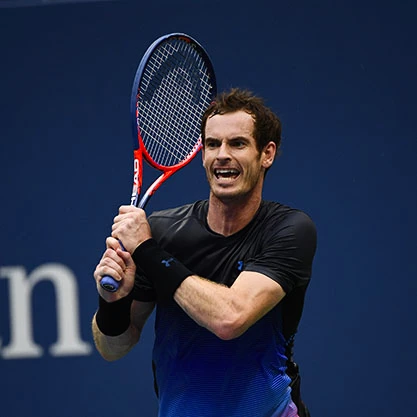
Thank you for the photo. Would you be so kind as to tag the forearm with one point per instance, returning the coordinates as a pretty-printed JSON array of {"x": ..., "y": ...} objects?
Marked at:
[
  {"x": 226, "y": 311},
  {"x": 209, "y": 304},
  {"x": 214, "y": 306}
]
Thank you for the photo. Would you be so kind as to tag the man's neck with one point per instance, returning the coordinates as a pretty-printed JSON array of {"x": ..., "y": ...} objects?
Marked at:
[{"x": 227, "y": 218}]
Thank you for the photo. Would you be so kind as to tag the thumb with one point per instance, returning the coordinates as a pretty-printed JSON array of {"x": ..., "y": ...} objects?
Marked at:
[
  {"x": 127, "y": 258},
  {"x": 112, "y": 243}
]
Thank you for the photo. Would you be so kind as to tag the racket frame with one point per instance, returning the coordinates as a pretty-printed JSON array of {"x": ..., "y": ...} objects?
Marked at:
[{"x": 139, "y": 150}]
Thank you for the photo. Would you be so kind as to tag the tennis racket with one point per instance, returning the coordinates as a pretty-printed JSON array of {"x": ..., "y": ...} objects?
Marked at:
[{"x": 173, "y": 86}]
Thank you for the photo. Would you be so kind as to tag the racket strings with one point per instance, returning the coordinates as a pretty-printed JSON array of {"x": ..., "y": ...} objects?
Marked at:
[
  {"x": 174, "y": 92},
  {"x": 176, "y": 89}
]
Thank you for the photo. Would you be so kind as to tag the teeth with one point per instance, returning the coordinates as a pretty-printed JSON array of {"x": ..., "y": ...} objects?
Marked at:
[{"x": 226, "y": 172}]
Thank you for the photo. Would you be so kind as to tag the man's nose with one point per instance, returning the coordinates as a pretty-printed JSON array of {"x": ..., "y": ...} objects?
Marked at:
[{"x": 223, "y": 152}]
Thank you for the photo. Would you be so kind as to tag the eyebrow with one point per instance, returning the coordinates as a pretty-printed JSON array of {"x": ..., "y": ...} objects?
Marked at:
[{"x": 233, "y": 139}]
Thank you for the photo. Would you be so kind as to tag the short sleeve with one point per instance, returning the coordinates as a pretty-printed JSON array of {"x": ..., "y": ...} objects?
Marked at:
[{"x": 287, "y": 251}]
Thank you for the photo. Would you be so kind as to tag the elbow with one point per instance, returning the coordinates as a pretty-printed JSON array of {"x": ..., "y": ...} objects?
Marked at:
[
  {"x": 229, "y": 328},
  {"x": 104, "y": 353},
  {"x": 111, "y": 355},
  {"x": 108, "y": 358}
]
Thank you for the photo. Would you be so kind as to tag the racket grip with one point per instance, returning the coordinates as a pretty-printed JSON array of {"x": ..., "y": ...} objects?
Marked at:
[{"x": 107, "y": 282}]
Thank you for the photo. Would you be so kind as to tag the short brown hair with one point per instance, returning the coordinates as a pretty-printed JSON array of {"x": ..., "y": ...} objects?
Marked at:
[{"x": 267, "y": 125}]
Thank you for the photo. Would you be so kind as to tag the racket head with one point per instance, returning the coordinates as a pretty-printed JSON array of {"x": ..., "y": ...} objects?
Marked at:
[{"x": 174, "y": 84}]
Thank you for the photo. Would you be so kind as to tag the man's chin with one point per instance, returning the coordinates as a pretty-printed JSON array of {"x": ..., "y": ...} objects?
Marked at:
[{"x": 229, "y": 195}]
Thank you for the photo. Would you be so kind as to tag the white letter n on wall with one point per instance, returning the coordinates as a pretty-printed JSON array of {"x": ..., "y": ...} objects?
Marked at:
[{"x": 21, "y": 286}]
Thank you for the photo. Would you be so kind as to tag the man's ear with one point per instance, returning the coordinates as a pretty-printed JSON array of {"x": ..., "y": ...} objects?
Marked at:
[{"x": 268, "y": 154}]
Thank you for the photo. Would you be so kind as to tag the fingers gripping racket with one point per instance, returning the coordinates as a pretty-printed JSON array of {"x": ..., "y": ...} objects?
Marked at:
[{"x": 174, "y": 84}]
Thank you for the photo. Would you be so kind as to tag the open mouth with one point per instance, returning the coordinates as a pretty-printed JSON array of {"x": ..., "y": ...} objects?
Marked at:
[{"x": 223, "y": 173}]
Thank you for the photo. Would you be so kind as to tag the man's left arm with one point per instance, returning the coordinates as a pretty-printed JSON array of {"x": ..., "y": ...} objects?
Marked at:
[{"x": 228, "y": 311}]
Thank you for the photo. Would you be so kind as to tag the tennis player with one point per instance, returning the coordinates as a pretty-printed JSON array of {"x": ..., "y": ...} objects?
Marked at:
[{"x": 227, "y": 275}]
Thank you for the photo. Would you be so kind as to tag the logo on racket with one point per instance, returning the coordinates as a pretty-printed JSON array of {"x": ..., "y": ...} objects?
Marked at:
[{"x": 135, "y": 182}]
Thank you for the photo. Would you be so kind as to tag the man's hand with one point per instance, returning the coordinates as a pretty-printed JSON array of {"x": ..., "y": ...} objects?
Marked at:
[
  {"x": 118, "y": 264},
  {"x": 131, "y": 227}
]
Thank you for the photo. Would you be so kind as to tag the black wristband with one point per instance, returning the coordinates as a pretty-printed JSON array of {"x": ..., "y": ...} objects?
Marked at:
[
  {"x": 165, "y": 272},
  {"x": 113, "y": 319}
]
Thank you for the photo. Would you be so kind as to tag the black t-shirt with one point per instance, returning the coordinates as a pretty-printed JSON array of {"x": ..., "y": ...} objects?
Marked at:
[
  {"x": 279, "y": 242},
  {"x": 193, "y": 368}
]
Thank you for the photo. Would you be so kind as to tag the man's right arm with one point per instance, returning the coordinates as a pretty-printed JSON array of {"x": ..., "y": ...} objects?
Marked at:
[{"x": 119, "y": 320}]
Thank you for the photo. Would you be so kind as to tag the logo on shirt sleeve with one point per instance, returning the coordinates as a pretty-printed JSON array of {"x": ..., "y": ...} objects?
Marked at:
[{"x": 168, "y": 262}]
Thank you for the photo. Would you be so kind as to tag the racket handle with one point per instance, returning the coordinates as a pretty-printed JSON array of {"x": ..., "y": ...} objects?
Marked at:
[{"x": 107, "y": 282}]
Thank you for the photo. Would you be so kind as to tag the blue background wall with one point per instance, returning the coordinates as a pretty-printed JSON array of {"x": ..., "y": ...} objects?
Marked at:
[{"x": 342, "y": 76}]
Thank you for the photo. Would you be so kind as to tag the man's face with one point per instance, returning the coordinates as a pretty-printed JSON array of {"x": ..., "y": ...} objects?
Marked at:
[{"x": 234, "y": 166}]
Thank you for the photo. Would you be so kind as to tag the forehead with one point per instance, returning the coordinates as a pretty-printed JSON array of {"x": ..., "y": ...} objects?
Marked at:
[{"x": 230, "y": 125}]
